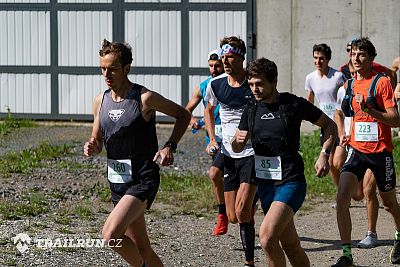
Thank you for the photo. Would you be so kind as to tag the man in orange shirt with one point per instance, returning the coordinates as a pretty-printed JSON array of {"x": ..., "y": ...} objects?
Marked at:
[{"x": 374, "y": 112}]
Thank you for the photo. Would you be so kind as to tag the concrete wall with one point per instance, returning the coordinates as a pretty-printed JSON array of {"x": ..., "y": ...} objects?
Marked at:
[{"x": 287, "y": 30}]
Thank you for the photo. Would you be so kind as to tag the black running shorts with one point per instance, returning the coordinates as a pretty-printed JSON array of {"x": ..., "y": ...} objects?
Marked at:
[
  {"x": 144, "y": 187},
  {"x": 237, "y": 171},
  {"x": 381, "y": 164}
]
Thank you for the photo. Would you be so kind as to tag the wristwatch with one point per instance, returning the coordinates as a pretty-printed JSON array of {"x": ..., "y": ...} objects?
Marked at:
[
  {"x": 326, "y": 152},
  {"x": 172, "y": 145}
]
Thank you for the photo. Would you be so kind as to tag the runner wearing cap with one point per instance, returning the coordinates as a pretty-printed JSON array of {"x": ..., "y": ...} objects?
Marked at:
[{"x": 216, "y": 170}]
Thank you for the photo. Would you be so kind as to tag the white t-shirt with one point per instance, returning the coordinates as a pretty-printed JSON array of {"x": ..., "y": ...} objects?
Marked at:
[
  {"x": 232, "y": 102},
  {"x": 347, "y": 120},
  {"x": 325, "y": 89}
]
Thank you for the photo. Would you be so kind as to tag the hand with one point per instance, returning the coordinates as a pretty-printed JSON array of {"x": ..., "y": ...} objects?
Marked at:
[
  {"x": 241, "y": 137},
  {"x": 322, "y": 165},
  {"x": 212, "y": 149},
  {"x": 344, "y": 140},
  {"x": 193, "y": 124},
  {"x": 164, "y": 157},
  {"x": 90, "y": 147},
  {"x": 360, "y": 100}
]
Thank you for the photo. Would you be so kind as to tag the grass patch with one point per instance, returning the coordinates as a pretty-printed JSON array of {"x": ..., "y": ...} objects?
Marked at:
[
  {"x": 83, "y": 212},
  {"x": 10, "y": 123},
  {"x": 192, "y": 193},
  {"x": 100, "y": 190},
  {"x": 10, "y": 262},
  {"x": 31, "y": 205},
  {"x": 27, "y": 159}
]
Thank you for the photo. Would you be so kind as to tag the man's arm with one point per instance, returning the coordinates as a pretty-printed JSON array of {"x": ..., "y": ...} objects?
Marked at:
[
  {"x": 330, "y": 134},
  {"x": 395, "y": 64},
  {"x": 95, "y": 143},
  {"x": 339, "y": 120},
  {"x": 193, "y": 103},
  {"x": 310, "y": 96},
  {"x": 209, "y": 121},
  {"x": 390, "y": 116},
  {"x": 239, "y": 140},
  {"x": 151, "y": 102}
]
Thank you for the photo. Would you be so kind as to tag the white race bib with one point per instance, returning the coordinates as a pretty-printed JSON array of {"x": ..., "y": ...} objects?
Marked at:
[
  {"x": 269, "y": 168},
  {"x": 119, "y": 171},
  {"x": 366, "y": 131},
  {"x": 218, "y": 133},
  {"x": 328, "y": 109}
]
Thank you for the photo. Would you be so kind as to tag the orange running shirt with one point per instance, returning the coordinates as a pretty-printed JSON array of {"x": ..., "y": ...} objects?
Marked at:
[{"x": 384, "y": 100}]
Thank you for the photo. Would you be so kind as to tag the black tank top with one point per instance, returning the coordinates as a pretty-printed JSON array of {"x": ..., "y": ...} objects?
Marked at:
[{"x": 126, "y": 134}]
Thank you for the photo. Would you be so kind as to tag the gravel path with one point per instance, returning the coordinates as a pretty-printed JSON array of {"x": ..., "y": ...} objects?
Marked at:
[{"x": 180, "y": 240}]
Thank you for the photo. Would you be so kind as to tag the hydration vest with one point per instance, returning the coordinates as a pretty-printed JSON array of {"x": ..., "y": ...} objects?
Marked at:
[
  {"x": 347, "y": 108},
  {"x": 287, "y": 112}
]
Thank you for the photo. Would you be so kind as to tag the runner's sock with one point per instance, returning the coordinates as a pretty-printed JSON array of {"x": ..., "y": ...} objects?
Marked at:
[
  {"x": 397, "y": 235},
  {"x": 222, "y": 209},
  {"x": 247, "y": 234},
  {"x": 347, "y": 250}
]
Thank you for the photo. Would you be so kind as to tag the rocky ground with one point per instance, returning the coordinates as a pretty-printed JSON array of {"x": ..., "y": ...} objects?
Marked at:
[{"x": 180, "y": 240}]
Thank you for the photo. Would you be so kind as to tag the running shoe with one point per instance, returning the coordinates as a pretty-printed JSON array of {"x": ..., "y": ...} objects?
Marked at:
[
  {"x": 343, "y": 262},
  {"x": 395, "y": 253},
  {"x": 222, "y": 225},
  {"x": 370, "y": 241}
]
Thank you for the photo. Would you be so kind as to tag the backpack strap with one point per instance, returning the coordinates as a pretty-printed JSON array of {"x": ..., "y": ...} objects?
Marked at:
[
  {"x": 372, "y": 88},
  {"x": 251, "y": 116}
]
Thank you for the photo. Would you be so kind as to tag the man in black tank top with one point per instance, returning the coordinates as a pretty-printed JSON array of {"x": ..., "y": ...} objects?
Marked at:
[
  {"x": 124, "y": 119},
  {"x": 272, "y": 122}
]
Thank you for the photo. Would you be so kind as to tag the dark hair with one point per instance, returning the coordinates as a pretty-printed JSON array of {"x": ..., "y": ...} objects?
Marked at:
[
  {"x": 123, "y": 51},
  {"x": 234, "y": 42},
  {"x": 364, "y": 44},
  {"x": 262, "y": 67},
  {"x": 323, "y": 48}
]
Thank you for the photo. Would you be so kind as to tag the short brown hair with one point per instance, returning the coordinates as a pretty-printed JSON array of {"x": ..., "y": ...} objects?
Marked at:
[
  {"x": 262, "y": 67},
  {"x": 122, "y": 50}
]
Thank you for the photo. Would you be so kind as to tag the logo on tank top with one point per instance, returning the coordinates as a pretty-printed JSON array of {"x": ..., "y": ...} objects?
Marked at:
[
  {"x": 268, "y": 116},
  {"x": 115, "y": 114}
]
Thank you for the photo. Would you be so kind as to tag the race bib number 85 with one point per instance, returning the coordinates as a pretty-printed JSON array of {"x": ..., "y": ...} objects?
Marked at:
[{"x": 269, "y": 168}]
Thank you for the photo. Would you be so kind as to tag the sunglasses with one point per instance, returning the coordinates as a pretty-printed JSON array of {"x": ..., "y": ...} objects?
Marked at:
[{"x": 348, "y": 49}]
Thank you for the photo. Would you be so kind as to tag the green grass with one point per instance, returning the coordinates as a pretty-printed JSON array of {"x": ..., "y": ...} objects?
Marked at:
[
  {"x": 192, "y": 193},
  {"x": 10, "y": 123},
  {"x": 27, "y": 159},
  {"x": 30, "y": 205}
]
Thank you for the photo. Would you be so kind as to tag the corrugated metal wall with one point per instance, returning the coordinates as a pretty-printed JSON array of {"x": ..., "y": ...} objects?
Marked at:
[{"x": 49, "y": 60}]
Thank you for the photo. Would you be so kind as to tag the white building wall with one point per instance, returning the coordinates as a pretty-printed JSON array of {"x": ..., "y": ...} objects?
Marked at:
[
  {"x": 25, "y": 93},
  {"x": 25, "y": 38},
  {"x": 80, "y": 36},
  {"x": 155, "y": 37}
]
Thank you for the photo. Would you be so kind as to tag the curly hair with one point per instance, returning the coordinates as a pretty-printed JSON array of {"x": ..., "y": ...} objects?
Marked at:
[
  {"x": 364, "y": 44},
  {"x": 123, "y": 51},
  {"x": 262, "y": 67}
]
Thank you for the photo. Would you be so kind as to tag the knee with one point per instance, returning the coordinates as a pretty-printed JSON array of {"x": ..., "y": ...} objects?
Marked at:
[
  {"x": 292, "y": 249},
  {"x": 215, "y": 175},
  {"x": 390, "y": 206},
  {"x": 268, "y": 243},
  {"x": 111, "y": 233}
]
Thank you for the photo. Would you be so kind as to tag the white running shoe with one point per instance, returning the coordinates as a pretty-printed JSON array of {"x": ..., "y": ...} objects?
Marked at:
[{"x": 370, "y": 241}]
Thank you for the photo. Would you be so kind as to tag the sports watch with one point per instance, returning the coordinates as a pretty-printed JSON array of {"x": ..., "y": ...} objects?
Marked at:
[
  {"x": 326, "y": 152},
  {"x": 172, "y": 145}
]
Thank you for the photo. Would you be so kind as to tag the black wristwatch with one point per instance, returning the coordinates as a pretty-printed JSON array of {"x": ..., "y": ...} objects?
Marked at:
[{"x": 172, "y": 145}]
